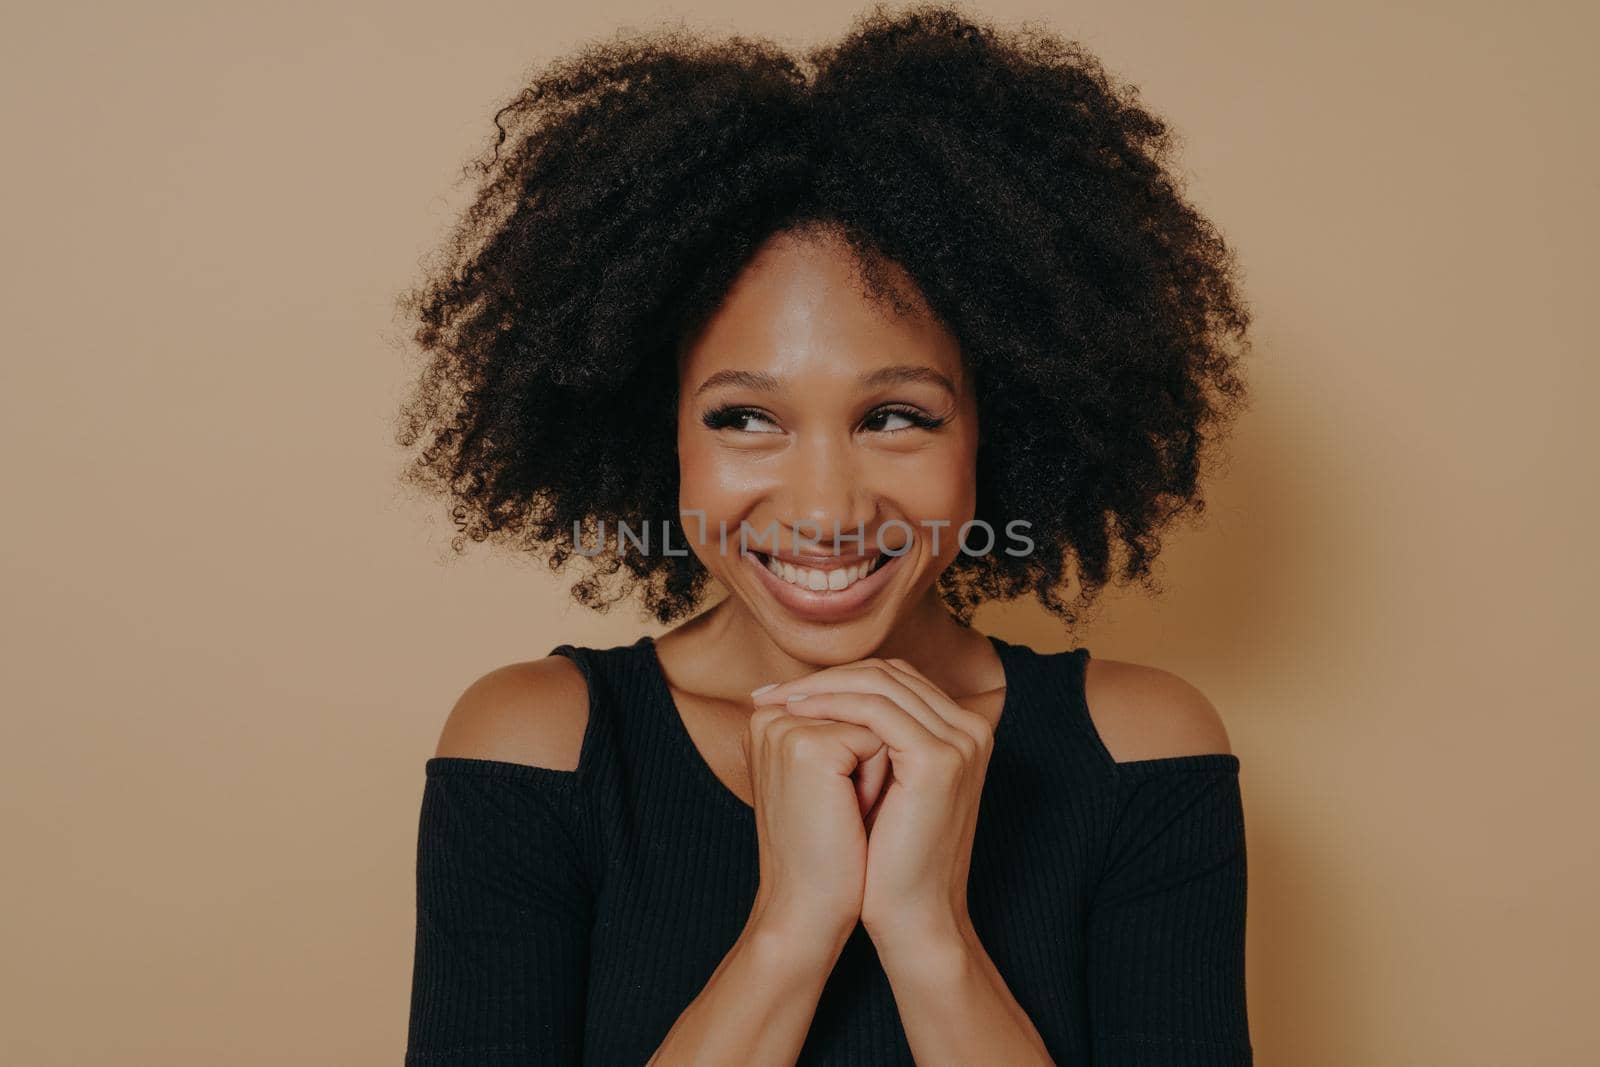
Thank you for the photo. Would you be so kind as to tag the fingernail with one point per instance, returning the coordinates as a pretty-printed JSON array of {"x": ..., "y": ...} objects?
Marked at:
[
  {"x": 796, "y": 696},
  {"x": 763, "y": 689}
]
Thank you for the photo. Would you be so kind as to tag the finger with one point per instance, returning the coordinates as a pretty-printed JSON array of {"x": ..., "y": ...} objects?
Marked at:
[
  {"x": 872, "y": 816},
  {"x": 847, "y": 745},
  {"x": 902, "y": 731},
  {"x": 826, "y": 678},
  {"x": 906, "y": 666},
  {"x": 870, "y": 777},
  {"x": 866, "y": 677},
  {"x": 962, "y": 718}
]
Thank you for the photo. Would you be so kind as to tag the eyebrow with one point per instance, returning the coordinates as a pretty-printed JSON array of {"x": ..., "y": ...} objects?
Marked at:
[{"x": 898, "y": 374}]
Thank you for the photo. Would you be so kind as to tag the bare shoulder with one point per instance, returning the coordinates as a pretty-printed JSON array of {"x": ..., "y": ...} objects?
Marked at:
[
  {"x": 533, "y": 712},
  {"x": 1144, "y": 712}
]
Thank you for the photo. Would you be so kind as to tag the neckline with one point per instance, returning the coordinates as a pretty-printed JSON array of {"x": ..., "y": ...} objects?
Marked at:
[{"x": 708, "y": 777}]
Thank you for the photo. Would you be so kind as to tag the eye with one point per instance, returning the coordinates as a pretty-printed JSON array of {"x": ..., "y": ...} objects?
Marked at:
[
  {"x": 736, "y": 418},
  {"x": 911, "y": 419}
]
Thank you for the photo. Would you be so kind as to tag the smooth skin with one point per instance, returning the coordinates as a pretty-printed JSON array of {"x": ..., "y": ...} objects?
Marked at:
[{"x": 865, "y": 763}]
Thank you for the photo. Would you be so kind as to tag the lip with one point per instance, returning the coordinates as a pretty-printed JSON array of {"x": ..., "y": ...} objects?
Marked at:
[
  {"x": 821, "y": 605},
  {"x": 824, "y": 563}
]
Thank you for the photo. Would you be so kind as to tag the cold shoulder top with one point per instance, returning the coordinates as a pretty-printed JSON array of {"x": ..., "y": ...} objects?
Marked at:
[{"x": 570, "y": 916}]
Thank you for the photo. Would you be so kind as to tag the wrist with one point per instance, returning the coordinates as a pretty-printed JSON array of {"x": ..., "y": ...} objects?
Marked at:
[
  {"x": 936, "y": 939},
  {"x": 789, "y": 939}
]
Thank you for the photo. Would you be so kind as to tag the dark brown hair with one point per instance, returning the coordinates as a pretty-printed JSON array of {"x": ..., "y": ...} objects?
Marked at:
[{"x": 1027, "y": 193}]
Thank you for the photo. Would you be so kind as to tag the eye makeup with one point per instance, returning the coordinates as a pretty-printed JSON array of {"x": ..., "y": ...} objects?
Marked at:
[{"x": 732, "y": 416}]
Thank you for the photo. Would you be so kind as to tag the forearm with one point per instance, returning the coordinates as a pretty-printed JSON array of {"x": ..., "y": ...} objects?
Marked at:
[
  {"x": 953, "y": 1003},
  {"x": 756, "y": 1008}
]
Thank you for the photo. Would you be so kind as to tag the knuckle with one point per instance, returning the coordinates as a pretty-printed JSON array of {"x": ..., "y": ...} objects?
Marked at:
[
  {"x": 762, "y": 718},
  {"x": 978, "y": 728},
  {"x": 949, "y": 759},
  {"x": 936, "y": 765},
  {"x": 802, "y": 745}
]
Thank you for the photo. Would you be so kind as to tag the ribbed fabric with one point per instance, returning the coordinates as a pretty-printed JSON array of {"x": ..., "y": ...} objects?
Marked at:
[{"x": 569, "y": 916}]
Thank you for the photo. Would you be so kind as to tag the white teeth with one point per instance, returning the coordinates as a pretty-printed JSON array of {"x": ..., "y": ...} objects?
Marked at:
[{"x": 809, "y": 578}]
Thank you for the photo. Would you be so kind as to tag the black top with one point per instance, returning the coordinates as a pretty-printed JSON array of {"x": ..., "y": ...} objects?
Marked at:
[{"x": 570, "y": 916}]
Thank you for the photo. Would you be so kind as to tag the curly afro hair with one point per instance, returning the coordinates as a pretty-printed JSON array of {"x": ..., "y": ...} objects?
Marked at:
[{"x": 1025, "y": 191}]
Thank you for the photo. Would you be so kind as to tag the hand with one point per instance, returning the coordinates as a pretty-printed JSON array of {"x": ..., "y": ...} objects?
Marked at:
[
  {"x": 809, "y": 829},
  {"x": 921, "y": 829}
]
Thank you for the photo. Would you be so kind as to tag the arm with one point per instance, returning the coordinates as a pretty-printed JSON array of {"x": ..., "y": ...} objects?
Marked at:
[
  {"x": 1166, "y": 929},
  {"x": 504, "y": 900},
  {"x": 955, "y": 1006},
  {"x": 503, "y": 915},
  {"x": 953, "y": 1003},
  {"x": 757, "y": 1007},
  {"x": 504, "y": 907},
  {"x": 1166, "y": 926}
]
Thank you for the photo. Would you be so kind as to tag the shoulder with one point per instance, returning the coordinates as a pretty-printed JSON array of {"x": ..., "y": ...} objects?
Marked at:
[
  {"x": 1143, "y": 712},
  {"x": 533, "y": 713}
]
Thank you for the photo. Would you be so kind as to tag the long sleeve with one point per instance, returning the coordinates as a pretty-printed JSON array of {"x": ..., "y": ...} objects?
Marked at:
[
  {"x": 1166, "y": 929},
  {"x": 504, "y": 909}
]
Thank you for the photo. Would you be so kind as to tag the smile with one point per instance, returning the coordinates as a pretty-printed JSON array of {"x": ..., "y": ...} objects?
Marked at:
[
  {"x": 818, "y": 579},
  {"x": 826, "y": 591}
]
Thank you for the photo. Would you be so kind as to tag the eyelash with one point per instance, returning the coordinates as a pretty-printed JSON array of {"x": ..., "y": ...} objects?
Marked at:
[{"x": 729, "y": 417}]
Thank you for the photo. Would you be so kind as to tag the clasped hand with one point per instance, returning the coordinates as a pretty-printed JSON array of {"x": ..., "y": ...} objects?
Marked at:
[{"x": 918, "y": 793}]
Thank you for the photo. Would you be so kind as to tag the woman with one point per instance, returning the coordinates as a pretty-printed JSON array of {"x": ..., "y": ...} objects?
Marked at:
[{"x": 874, "y": 338}]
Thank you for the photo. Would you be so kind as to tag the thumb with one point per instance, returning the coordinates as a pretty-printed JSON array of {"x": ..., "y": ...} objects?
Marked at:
[{"x": 870, "y": 776}]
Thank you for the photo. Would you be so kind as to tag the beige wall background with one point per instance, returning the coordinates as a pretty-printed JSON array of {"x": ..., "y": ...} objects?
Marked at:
[{"x": 230, "y": 640}]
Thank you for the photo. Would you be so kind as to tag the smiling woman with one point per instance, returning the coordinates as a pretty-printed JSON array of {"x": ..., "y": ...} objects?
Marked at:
[
  {"x": 807, "y": 402},
  {"x": 850, "y": 325}
]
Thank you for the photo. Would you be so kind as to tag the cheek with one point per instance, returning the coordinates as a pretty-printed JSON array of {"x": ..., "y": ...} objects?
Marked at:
[
  {"x": 944, "y": 488},
  {"x": 707, "y": 479},
  {"x": 941, "y": 480},
  {"x": 713, "y": 489}
]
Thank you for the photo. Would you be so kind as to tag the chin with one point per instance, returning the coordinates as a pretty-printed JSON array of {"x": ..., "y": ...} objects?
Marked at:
[{"x": 832, "y": 646}]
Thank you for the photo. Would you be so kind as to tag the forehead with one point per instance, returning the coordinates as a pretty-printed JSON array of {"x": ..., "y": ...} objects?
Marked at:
[{"x": 801, "y": 306}]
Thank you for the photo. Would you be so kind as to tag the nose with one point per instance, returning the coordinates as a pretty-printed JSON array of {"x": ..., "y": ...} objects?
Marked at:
[{"x": 823, "y": 489}]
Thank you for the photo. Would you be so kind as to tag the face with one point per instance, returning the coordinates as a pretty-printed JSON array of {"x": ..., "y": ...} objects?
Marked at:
[{"x": 805, "y": 407}]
